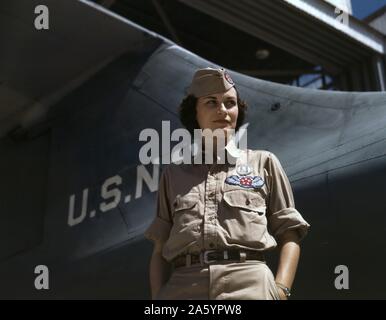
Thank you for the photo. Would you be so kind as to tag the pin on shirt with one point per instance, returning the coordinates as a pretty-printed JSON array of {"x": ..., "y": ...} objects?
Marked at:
[
  {"x": 243, "y": 169},
  {"x": 243, "y": 178}
]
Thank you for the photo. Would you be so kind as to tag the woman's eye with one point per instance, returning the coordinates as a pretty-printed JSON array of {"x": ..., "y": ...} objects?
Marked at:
[
  {"x": 211, "y": 102},
  {"x": 231, "y": 103}
]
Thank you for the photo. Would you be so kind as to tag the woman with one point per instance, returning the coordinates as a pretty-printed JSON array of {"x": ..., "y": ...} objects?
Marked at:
[{"x": 214, "y": 222}]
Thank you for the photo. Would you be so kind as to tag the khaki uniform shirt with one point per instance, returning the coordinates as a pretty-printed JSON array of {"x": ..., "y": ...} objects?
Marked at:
[{"x": 197, "y": 210}]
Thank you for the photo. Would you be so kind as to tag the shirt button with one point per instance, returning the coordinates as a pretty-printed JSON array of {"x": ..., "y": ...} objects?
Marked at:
[{"x": 247, "y": 202}]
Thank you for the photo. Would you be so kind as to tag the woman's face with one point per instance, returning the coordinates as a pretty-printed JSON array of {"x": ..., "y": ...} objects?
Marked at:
[{"x": 218, "y": 111}]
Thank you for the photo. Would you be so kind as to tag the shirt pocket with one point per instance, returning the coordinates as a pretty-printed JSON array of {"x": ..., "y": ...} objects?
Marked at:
[
  {"x": 186, "y": 210},
  {"x": 246, "y": 203},
  {"x": 186, "y": 223},
  {"x": 243, "y": 218}
]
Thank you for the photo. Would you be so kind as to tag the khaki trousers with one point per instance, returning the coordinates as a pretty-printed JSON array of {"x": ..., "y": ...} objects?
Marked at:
[{"x": 248, "y": 280}]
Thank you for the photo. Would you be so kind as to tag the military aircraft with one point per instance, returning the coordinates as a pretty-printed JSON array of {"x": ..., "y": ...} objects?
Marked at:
[{"x": 75, "y": 198}]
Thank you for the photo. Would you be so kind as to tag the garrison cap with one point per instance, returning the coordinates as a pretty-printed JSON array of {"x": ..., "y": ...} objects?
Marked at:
[{"x": 207, "y": 81}]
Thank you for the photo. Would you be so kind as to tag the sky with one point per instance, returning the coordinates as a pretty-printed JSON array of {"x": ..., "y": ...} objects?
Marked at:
[{"x": 363, "y": 8}]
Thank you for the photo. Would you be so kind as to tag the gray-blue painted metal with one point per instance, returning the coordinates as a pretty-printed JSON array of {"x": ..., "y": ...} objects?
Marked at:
[{"x": 332, "y": 145}]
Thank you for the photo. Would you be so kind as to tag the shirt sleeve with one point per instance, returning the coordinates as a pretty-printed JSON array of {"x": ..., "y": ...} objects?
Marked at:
[
  {"x": 159, "y": 229},
  {"x": 281, "y": 212}
]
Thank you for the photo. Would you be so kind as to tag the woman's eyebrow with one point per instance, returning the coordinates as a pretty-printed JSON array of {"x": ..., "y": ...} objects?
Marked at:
[
  {"x": 230, "y": 98},
  {"x": 211, "y": 97}
]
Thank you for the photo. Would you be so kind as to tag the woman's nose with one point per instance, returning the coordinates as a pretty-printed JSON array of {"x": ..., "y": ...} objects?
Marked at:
[{"x": 222, "y": 108}]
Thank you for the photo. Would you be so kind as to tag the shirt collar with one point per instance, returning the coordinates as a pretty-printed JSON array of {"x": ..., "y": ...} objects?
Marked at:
[{"x": 232, "y": 153}]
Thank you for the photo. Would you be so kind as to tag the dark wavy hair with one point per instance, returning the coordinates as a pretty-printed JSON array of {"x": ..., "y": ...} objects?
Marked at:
[{"x": 187, "y": 112}]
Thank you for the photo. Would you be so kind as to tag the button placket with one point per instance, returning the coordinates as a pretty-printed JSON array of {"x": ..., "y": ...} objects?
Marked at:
[{"x": 210, "y": 209}]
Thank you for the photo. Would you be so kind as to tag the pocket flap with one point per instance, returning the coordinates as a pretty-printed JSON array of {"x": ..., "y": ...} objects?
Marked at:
[
  {"x": 247, "y": 200},
  {"x": 184, "y": 202}
]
